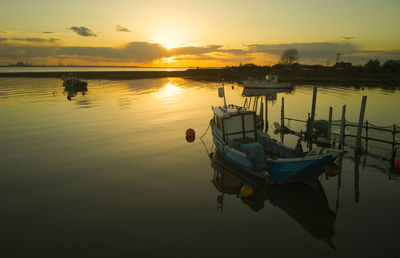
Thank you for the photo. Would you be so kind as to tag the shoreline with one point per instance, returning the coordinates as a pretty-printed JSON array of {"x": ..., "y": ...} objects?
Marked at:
[{"x": 295, "y": 77}]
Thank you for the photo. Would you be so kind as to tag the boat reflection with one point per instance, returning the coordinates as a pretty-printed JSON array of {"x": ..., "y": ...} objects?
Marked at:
[
  {"x": 73, "y": 93},
  {"x": 305, "y": 204},
  {"x": 269, "y": 93}
]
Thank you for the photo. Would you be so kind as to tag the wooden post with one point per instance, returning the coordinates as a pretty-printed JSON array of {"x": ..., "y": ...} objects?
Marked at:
[
  {"x": 261, "y": 113},
  {"x": 314, "y": 102},
  {"x": 342, "y": 127},
  {"x": 266, "y": 114},
  {"x": 330, "y": 125},
  {"x": 248, "y": 107},
  {"x": 256, "y": 104},
  {"x": 357, "y": 148},
  {"x": 283, "y": 112},
  {"x": 245, "y": 102},
  {"x": 394, "y": 137},
  {"x": 366, "y": 136}
]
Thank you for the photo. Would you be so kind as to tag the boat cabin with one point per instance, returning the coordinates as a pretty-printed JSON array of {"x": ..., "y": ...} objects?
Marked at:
[{"x": 235, "y": 123}]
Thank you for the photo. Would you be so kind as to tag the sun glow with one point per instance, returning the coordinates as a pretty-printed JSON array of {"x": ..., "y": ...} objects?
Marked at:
[{"x": 170, "y": 35}]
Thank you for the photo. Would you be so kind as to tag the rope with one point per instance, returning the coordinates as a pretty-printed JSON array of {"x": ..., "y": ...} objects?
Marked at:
[
  {"x": 201, "y": 137},
  {"x": 204, "y": 144}
]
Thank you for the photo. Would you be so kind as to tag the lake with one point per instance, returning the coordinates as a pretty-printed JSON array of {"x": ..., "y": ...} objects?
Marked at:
[
  {"x": 68, "y": 69},
  {"x": 109, "y": 173}
]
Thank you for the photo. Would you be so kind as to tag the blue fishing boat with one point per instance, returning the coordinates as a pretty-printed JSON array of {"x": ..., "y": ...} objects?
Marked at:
[{"x": 238, "y": 140}]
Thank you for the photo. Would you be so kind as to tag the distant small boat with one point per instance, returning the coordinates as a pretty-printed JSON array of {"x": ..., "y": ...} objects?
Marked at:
[
  {"x": 72, "y": 83},
  {"x": 270, "y": 82}
]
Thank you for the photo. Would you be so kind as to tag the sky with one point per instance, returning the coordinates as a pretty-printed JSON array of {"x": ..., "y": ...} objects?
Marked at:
[{"x": 206, "y": 33}]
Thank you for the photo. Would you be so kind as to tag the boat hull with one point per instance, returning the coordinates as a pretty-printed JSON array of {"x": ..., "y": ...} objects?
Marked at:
[{"x": 281, "y": 170}]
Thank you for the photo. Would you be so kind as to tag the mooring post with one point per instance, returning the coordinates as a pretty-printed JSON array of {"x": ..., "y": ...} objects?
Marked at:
[
  {"x": 261, "y": 113},
  {"x": 245, "y": 102},
  {"x": 357, "y": 148},
  {"x": 314, "y": 102},
  {"x": 342, "y": 127},
  {"x": 330, "y": 125},
  {"x": 266, "y": 114},
  {"x": 366, "y": 136},
  {"x": 394, "y": 137},
  {"x": 283, "y": 113}
]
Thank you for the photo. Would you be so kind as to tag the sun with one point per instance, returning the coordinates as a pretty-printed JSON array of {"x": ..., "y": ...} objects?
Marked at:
[{"x": 170, "y": 34}]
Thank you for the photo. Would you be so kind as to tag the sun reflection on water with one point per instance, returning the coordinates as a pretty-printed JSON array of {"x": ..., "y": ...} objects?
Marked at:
[{"x": 169, "y": 93}]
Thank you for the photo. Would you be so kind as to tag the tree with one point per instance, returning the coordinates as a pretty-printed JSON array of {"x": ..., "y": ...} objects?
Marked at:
[
  {"x": 392, "y": 65},
  {"x": 373, "y": 64},
  {"x": 290, "y": 56}
]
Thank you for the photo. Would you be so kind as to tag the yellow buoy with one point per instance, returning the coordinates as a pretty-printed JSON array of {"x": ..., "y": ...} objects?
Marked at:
[{"x": 246, "y": 191}]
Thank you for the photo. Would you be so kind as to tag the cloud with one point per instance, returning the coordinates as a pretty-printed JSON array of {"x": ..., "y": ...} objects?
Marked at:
[
  {"x": 121, "y": 29},
  {"x": 145, "y": 52},
  {"x": 47, "y": 32},
  {"x": 309, "y": 50},
  {"x": 346, "y": 38},
  {"x": 4, "y": 31},
  {"x": 190, "y": 50},
  {"x": 83, "y": 31},
  {"x": 31, "y": 40}
]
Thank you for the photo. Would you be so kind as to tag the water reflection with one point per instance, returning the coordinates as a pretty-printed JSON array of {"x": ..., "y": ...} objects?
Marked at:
[{"x": 306, "y": 205}]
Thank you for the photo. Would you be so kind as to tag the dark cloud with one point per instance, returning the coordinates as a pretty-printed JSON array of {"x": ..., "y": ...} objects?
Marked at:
[
  {"x": 31, "y": 40},
  {"x": 4, "y": 31},
  {"x": 312, "y": 50},
  {"x": 346, "y": 38},
  {"x": 83, "y": 31},
  {"x": 121, "y": 28},
  {"x": 145, "y": 52},
  {"x": 47, "y": 32},
  {"x": 194, "y": 50}
]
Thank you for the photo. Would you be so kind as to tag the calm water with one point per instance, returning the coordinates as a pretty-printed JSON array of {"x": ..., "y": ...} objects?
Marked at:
[
  {"x": 85, "y": 69},
  {"x": 110, "y": 174}
]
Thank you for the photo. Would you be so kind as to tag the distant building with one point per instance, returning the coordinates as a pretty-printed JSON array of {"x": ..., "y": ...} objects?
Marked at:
[{"x": 342, "y": 66}]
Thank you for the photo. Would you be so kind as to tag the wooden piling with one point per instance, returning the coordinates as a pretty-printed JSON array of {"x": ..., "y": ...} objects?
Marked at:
[
  {"x": 262, "y": 113},
  {"x": 314, "y": 102},
  {"x": 283, "y": 113},
  {"x": 394, "y": 138},
  {"x": 266, "y": 114},
  {"x": 342, "y": 128},
  {"x": 366, "y": 136},
  {"x": 330, "y": 125},
  {"x": 357, "y": 148}
]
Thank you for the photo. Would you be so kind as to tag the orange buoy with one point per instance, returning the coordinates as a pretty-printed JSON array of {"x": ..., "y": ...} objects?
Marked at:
[
  {"x": 397, "y": 164},
  {"x": 190, "y": 133}
]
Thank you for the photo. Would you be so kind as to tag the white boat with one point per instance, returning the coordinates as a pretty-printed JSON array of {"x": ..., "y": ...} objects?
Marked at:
[
  {"x": 239, "y": 141},
  {"x": 270, "y": 82}
]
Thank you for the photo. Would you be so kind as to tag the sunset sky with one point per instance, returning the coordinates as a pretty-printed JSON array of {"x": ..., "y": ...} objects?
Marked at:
[{"x": 202, "y": 33}]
